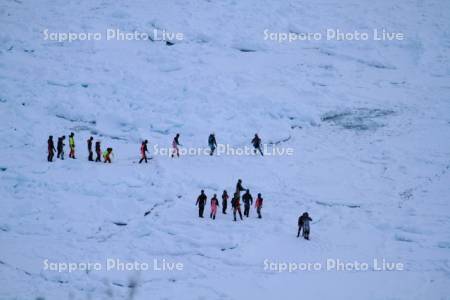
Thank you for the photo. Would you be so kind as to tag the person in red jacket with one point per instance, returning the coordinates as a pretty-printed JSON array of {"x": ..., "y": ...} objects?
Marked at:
[
  {"x": 258, "y": 205},
  {"x": 144, "y": 151},
  {"x": 235, "y": 203},
  {"x": 214, "y": 205}
]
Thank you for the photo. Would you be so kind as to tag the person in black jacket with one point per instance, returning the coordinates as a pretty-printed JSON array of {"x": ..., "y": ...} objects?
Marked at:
[
  {"x": 224, "y": 202},
  {"x": 239, "y": 187},
  {"x": 175, "y": 144},
  {"x": 51, "y": 149},
  {"x": 303, "y": 222},
  {"x": 212, "y": 143},
  {"x": 60, "y": 147},
  {"x": 257, "y": 144},
  {"x": 201, "y": 202},
  {"x": 248, "y": 201},
  {"x": 89, "y": 145},
  {"x": 98, "y": 151}
]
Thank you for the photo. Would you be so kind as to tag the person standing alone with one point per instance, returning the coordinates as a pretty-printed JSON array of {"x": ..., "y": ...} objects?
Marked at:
[
  {"x": 212, "y": 143},
  {"x": 175, "y": 144},
  {"x": 201, "y": 202},
  {"x": 144, "y": 151},
  {"x": 303, "y": 222},
  {"x": 258, "y": 205},
  {"x": 256, "y": 141}
]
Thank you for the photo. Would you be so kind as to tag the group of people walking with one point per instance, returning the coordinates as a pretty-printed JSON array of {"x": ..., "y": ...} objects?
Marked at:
[
  {"x": 212, "y": 143},
  {"x": 60, "y": 146},
  {"x": 247, "y": 198},
  {"x": 235, "y": 203}
]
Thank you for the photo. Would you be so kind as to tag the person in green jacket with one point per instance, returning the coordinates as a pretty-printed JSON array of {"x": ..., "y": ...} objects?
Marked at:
[
  {"x": 107, "y": 155},
  {"x": 72, "y": 145}
]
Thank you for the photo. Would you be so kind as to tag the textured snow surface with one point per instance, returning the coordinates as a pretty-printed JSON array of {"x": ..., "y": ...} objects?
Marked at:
[{"x": 369, "y": 122}]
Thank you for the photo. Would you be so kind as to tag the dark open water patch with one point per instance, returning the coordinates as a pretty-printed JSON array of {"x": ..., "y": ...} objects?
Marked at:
[
  {"x": 358, "y": 118},
  {"x": 246, "y": 50},
  {"x": 229, "y": 248},
  {"x": 120, "y": 223},
  {"x": 331, "y": 204},
  {"x": 60, "y": 116}
]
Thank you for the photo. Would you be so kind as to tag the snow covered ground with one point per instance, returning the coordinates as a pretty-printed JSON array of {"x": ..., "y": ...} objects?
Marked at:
[{"x": 369, "y": 122}]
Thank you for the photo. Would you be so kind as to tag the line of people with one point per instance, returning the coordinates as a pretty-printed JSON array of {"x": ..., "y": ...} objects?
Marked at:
[
  {"x": 235, "y": 203},
  {"x": 212, "y": 143},
  {"x": 107, "y": 154}
]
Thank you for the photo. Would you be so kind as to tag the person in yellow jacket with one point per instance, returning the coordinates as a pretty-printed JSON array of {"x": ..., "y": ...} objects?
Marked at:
[
  {"x": 107, "y": 155},
  {"x": 72, "y": 145}
]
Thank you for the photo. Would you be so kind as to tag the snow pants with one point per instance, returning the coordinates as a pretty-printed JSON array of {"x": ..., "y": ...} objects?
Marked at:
[
  {"x": 224, "y": 206},
  {"x": 237, "y": 209},
  {"x": 143, "y": 158},
  {"x": 258, "y": 211},
  {"x": 99, "y": 155},
  {"x": 72, "y": 152},
  {"x": 201, "y": 209},
  {"x": 50, "y": 156},
  {"x": 175, "y": 151},
  {"x": 247, "y": 210},
  {"x": 213, "y": 211}
]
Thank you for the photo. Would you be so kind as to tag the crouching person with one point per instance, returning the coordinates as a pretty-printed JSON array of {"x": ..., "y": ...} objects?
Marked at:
[
  {"x": 303, "y": 222},
  {"x": 107, "y": 155}
]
